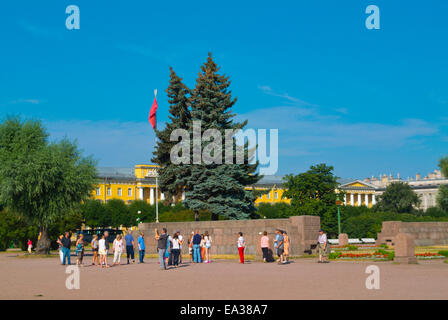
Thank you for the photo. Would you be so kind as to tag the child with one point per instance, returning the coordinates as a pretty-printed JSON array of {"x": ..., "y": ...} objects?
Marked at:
[{"x": 30, "y": 246}]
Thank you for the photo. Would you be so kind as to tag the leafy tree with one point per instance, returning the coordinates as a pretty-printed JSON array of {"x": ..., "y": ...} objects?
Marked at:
[
  {"x": 119, "y": 213},
  {"x": 15, "y": 231},
  {"x": 273, "y": 211},
  {"x": 314, "y": 193},
  {"x": 399, "y": 198},
  {"x": 170, "y": 174},
  {"x": 148, "y": 212},
  {"x": 41, "y": 181},
  {"x": 442, "y": 195},
  {"x": 95, "y": 214},
  {"x": 218, "y": 188}
]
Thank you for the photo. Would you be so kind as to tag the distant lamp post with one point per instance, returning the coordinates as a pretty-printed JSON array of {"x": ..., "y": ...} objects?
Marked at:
[{"x": 338, "y": 204}]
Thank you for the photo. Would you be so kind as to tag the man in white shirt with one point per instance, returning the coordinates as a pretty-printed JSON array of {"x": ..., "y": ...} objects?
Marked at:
[{"x": 322, "y": 246}]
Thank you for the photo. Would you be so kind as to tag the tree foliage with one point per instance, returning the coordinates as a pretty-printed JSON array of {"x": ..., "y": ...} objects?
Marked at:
[
  {"x": 314, "y": 193},
  {"x": 399, "y": 198},
  {"x": 41, "y": 181}
]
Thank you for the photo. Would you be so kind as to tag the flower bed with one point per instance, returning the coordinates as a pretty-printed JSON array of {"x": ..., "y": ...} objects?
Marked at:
[
  {"x": 429, "y": 255},
  {"x": 379, "y": 255}
]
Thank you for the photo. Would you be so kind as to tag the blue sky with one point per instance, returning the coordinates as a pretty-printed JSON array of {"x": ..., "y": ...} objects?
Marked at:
[{"x": 365, "y": 101}]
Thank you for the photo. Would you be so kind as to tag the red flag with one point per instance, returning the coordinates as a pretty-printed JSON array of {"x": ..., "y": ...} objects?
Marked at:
[{"x": 152, "y": 112}]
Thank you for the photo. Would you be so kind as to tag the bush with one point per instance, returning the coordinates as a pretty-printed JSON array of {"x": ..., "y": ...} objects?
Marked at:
[
  {"x": 351, "y": 247},
  {"x": 443, "y": 253},
  {"x": 334, "y": 255},
  {"x": 15, "y": 232}
]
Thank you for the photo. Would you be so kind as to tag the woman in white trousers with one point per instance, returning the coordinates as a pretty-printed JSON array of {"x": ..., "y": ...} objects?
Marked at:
[{"x": 118, "y": 250}]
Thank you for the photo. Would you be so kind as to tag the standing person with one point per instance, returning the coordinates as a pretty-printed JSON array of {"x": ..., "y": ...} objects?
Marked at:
[
  {"x": 265, "y": 245},
  {"x": 285, "y": 247},
  {"x": 80, "y": 249},
  {"x": 130, "y": 246},
  {"x": 175, "y": 250},
  {"x": 66, "y": 243},
  {"x": 61, "y": 252},
  {"x": 181, "y": 242},
  {"x": 190, "y": 246},
  {"x": 280, "y": 246},
  {"x": 241, "y": 246},
  {"x": 202, "y": 245},
  {"x": 118, "y": 250},
  {"x": 168, "y": 251},
  {"x": 106, "y": 243},
  {"x": 207, "y": 246},
  {"x": 141, "y": 247},
  {"x": 277, "y": 235},
  {"x": 30, "y": 246},
  {"x": 196, "y": 247},
  {"x": 94, "y": 245},
  {"x": 162, "y": 239},
  {"x": 322, "y": 245},
  {"x": 103, "y": 251}
]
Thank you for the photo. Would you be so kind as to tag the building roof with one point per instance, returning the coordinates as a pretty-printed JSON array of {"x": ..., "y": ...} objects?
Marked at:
[{"x": 114, "y": 172}]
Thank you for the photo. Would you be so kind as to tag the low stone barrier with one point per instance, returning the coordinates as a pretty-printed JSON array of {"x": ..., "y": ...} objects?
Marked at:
[
  {"x": 423, "y": 233},
  {"x": 302, "y": 230}
]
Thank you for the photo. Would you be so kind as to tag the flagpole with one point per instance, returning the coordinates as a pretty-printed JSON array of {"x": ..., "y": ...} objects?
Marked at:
[{"x": 157, "y": 173}]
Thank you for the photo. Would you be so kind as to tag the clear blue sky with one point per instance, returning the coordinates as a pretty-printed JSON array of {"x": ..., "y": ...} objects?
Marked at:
[{"x": 366, "y": 101}]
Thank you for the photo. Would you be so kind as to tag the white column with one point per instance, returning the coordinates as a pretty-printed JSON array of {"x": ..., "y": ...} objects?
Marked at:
[
  {"x": 359, "y": 199},
  {"x": 162, "y": 196},
  {"x": 151, "y": 196},
  {"x": 345, "y": 199},
  {"x": 352, "y": 199},
  {"x": 183, "y": 195},
  {"x": 373, "y": 200},
  {"x": 366, "y": 200},
  {"x": 140, "y": 193}
]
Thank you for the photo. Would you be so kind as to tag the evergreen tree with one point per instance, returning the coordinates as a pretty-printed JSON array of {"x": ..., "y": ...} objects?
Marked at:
[
  {"x": 170, "y": 175},
  {"x": 218, "y": 187}
]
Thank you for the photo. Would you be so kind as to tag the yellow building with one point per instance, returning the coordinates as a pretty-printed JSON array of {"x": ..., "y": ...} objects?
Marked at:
[
  {"x": 139, "y": 183},
  {"x": 358, "y": 193}
]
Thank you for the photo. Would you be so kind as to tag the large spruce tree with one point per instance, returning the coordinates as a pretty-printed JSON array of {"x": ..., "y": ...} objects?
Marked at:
[
  {"x": 171, "y": 175},
  {"x": 219, "y": 188}
]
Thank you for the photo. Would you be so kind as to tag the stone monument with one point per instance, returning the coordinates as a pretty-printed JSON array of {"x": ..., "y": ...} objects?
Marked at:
[
  {"x": 404, "y": 249},
  {"x": 343, "y": 239}
]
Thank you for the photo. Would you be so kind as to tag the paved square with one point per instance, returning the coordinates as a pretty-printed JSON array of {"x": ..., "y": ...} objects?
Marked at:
[{"x": 44, "y": 278}]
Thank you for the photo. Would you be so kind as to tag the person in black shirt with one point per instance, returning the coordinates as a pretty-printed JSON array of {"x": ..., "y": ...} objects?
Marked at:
[{"x": 65, "y": 242}]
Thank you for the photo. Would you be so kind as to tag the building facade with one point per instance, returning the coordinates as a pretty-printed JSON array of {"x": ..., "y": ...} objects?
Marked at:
[{"x": 139, "y": 183}]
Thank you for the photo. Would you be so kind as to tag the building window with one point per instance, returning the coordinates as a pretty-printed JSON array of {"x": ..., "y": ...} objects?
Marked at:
[
  {"x": 109, "y": 192},
  {"x": 119, "y": 192},
  {"x": 129, "y": 192},
  {"x": 268, "y": 195},
  {"x": 98, "y": 191},
  {"x": 276, "y": 195}
]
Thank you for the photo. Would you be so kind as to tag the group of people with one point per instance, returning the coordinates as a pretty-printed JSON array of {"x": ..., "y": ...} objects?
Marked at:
[
  {"x": 281, "y": 245},
  {"x": 100, "y": 249},
  {"x": 169, "y": 248}
]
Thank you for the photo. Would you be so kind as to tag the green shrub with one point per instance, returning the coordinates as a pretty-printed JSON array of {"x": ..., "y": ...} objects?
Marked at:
[
  {"x": 443, "y": 253},
  {"x": 351, "y": 247},
  {"x": 334, "y": 255}
]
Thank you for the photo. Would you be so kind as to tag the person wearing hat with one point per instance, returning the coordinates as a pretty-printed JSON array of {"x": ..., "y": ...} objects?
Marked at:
[{"x": 322, "y": 246}]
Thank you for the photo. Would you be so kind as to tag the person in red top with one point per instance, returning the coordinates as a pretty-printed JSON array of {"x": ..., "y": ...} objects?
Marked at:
[{"x": 30, "y": 246}]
